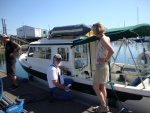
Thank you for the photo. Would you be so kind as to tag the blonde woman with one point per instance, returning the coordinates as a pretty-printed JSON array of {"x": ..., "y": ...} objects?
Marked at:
[{"x": 104, "y": 52}]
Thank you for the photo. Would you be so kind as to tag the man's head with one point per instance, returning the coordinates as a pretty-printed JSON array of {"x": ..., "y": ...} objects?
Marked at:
[
  {"x": 4, "y": 37},
  {"x": 98, "y": 29},
  {"x": 57, "y": 59}
]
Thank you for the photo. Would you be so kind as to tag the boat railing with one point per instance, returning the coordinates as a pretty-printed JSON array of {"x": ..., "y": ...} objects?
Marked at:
[
  {"x": 130, "y": 77},
  {"x": 143, "y": 72}
]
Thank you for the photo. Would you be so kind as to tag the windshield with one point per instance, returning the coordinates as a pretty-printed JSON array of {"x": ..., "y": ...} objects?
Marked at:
[{"x": 80, "y": 56}]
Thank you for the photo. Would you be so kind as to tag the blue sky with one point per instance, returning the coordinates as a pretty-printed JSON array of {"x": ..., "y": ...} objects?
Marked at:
[{"x": 47, "y": 14}]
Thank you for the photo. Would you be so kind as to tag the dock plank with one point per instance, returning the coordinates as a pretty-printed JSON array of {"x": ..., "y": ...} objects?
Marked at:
[{"x": 43, "y": 106}]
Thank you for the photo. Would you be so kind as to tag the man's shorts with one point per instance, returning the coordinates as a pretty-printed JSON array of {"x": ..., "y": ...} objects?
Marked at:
[{"x": 11, "y": 69}]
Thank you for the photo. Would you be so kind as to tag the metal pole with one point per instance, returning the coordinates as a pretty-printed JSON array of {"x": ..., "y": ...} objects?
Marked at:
[
  {"x": 5, "y": 27},
  {"x": 136, "y": 67},
  {"x": 118, "y": 52}
]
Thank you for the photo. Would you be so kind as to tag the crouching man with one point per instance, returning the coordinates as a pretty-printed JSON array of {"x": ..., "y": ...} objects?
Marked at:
[{"x": 58, "y": 85}]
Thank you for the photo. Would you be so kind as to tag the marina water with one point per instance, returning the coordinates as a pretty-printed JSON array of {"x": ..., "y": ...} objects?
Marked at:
[{"x": 123, "y": 57}]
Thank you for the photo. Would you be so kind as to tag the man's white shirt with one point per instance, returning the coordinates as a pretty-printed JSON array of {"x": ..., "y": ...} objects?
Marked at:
[{"x": 52, "y": 74}]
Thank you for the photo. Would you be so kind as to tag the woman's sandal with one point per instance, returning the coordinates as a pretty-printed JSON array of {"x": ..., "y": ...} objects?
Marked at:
[{"x": 104, "y": 109}]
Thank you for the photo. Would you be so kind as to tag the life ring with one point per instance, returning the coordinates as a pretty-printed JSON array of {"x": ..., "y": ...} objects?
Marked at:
[{"x": 144, "y": 64}]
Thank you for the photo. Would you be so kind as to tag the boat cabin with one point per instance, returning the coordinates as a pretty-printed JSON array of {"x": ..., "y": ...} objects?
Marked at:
[{"x": 74, "y": 59}]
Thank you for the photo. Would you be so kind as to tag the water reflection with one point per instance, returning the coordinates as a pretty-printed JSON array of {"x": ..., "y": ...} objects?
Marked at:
[
  {"x": 19, "y": 70},
  {"x": 2, "y": 59},
  {"x": 124, "y": 56}
]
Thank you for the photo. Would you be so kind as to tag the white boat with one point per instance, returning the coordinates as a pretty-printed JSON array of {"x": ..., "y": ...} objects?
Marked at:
[
  {"x": 130, "y": 82},
  {"x": 147, "y": 39}
]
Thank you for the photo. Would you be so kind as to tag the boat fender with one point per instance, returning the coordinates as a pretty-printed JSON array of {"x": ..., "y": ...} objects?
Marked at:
[
  {"x": 146, "y": 64},
  {"x": 136, "y": 82}
]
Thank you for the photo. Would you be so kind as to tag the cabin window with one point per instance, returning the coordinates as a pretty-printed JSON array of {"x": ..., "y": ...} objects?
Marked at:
[
  {"x": 40, "y": 52},
  {"x": 31, "y": 52},
  {"x": 64, "y": 52},
  {"x": 81, "y": 56},
  {"x": 37, "y": 52},
  {"x": 48, "y": 53},
  {"x": 44, "y": 32}
]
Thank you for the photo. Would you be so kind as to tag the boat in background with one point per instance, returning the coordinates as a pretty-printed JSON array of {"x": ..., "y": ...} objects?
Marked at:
[
  {"x": 147, "y": 39},
  {"x": 130, "y": 82},
  {"x": 139, "y": 39}
]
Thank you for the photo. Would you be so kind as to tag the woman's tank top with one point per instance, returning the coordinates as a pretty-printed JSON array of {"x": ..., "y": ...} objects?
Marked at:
[{"x": 101, "y": 51}]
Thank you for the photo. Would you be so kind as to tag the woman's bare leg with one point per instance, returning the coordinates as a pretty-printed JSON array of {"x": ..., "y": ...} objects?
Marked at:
[
  {"x": 103, "y": 90},
  {"x": 99, "y": 94}
]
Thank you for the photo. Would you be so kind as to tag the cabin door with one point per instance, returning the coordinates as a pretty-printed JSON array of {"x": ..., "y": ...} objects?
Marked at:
[{"x": 82, "y": 61}]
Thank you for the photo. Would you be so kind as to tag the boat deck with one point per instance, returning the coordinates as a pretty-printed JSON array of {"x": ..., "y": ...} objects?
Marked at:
[{"x": 44, "y": 106}]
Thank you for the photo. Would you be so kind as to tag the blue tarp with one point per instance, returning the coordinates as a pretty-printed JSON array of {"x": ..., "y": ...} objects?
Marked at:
[{"x": 71, "y": 30}]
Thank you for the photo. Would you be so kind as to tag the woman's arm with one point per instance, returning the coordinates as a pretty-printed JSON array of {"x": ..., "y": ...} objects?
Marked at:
[{"x": 107, "y": 45}]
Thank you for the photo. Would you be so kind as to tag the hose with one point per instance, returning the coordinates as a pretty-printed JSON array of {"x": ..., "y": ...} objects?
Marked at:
[
  {"x": 31, "y": 98},
  {"x": 123, "y": 110}
]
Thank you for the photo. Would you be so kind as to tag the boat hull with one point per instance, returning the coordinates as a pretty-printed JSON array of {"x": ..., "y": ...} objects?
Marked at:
[
  {"x": 128, "y": 95},
  {"x": 127, "y": 99}
]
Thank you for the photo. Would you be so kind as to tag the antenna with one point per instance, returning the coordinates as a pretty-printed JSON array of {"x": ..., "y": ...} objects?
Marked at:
[
  {"x": 124, "y": 23},
  {"x": 137, "y": 15},
  {"x": 5, "y": 27},
  {"x": 24, "y": 30},
  {"x": 49, "y": 27},
  {"x": 48, "y": 32}
]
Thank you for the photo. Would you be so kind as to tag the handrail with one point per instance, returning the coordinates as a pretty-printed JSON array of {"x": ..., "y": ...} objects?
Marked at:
[{"x": 20, "y": 40}]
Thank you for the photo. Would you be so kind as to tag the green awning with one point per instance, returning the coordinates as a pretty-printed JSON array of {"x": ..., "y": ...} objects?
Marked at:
[{"x": 139, "y": 30}]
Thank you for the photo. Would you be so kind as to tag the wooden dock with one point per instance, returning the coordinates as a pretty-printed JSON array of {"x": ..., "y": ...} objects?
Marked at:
[{"x": 41, "y": 103}]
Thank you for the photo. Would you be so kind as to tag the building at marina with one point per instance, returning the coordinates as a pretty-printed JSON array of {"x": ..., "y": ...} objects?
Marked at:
[{"x": 30, "y": 32}]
